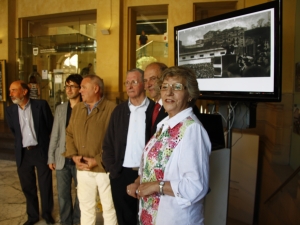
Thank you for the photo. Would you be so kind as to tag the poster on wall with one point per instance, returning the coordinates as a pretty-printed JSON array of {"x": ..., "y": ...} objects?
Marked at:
[
  {"x": 296, "y": 119},
  {"x": 58, "y": 79},
  {"x": 44, "y": 74},
  {"x": 297, "y": 77},
  {"x": 2, "y": 81},
  {"x": 296, "y": 110}
]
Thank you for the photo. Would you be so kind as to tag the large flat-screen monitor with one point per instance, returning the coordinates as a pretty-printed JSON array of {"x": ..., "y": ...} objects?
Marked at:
[{"x": 236, "y": 56}]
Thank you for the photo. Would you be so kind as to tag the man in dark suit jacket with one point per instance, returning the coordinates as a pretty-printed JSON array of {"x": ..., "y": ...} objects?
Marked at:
[
  {"x": 151, "y": 76},
  {"x": 31, "y": 120}
]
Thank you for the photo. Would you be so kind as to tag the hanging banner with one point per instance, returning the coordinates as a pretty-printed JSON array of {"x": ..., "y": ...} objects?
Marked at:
[{"x": 2, "y": 81}]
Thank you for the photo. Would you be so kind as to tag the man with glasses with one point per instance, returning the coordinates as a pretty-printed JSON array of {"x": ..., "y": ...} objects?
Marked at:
[
  {"x": 65, "y": 167},
  {"x": 84, "y": 139},
  {"x": 126, "y": 136}
]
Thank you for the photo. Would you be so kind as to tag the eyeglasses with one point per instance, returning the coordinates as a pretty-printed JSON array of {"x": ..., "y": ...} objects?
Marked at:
[
  {"x": 133, "y": 83},
  {"x": 71, "y": 86},
  {"x": 153, "y": 78},
  {"x": 175, "y": 87}
]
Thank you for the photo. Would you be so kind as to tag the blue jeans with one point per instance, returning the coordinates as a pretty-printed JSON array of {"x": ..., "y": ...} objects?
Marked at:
[{"x": 68, "y": 214}]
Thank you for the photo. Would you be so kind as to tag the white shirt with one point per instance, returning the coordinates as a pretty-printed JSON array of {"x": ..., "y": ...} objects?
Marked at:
[
  {"x": 188, "y": 172},
  {"x": 160, "y": 102},
  {"x": 136, "y": 134}
]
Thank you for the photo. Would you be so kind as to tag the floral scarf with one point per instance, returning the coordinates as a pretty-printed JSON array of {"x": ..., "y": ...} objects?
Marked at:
[{"x": 157, "y": 154}]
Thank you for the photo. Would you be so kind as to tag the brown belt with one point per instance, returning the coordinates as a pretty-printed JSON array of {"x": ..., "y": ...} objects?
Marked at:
[{"x": 30, "y": 147}]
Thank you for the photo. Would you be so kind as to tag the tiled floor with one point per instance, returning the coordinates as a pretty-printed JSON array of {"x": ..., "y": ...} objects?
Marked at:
[{"x": 12, "y": 201}]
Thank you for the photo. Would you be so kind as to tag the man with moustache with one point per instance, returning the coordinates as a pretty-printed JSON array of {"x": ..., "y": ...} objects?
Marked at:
[
  {"x": 30, "y": 120},
  {"x": 65, "y": 167},
  {"x": 126, "y": 136},
  {"x": 84, "y": 138}
]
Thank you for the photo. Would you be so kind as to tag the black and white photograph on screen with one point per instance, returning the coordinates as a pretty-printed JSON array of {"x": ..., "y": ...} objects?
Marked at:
[{"x": 233, "y": 48}]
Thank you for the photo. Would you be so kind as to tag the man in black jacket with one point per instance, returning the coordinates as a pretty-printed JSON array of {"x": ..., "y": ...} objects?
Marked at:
[
  {"x": 126, "y": 136},
  {"x": 30, "y": 120},
  {"x": 151, "y": 77}
]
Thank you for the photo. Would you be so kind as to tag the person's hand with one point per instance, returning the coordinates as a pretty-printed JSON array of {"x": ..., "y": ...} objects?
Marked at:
[
  {"x": 80, "y": 163},
  {"x": 132, "y": 189},
  {"x": 148, "y": 188},
  {"x": 91, "y": 162},
  {"x": 51, "y": 166}
]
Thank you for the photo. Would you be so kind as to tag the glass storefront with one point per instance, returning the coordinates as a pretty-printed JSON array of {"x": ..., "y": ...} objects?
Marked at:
[
  {"x": 50, "y": 59},
  {"x": 153, "y": 51}
]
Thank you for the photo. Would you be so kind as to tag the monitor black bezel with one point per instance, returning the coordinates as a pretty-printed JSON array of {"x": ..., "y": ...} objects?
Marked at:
[{"x": 274, "y": 96}]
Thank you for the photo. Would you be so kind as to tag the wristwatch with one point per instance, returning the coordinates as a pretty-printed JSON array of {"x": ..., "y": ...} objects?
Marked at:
[{"x": 161, "y": 185}]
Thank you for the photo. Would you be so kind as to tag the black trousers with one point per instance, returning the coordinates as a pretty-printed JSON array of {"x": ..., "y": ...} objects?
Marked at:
[
  {"x": 126, "y": 206},
  {"x": 32, "y": 159}
]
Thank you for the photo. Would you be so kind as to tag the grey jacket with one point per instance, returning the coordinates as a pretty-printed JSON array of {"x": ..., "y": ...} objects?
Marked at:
[{"x": 58, "y": 137}]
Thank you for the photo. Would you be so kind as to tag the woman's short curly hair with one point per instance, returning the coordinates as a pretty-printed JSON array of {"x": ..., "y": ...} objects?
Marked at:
[{"x": 188, "y": 76}]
